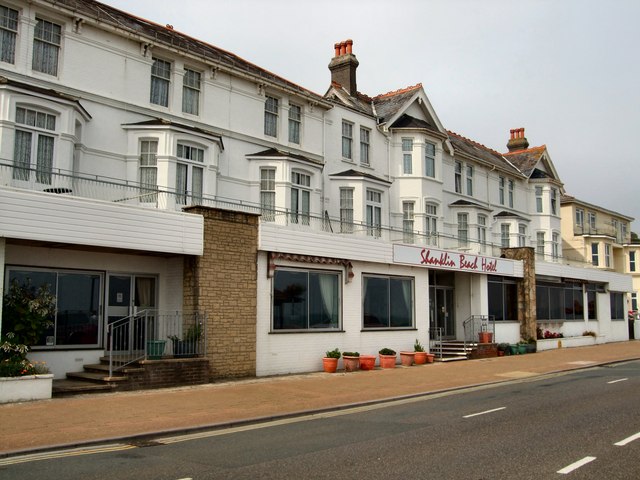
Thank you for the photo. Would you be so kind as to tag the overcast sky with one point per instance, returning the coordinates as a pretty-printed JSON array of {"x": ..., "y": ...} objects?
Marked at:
[{"x": 568, "y": 71}]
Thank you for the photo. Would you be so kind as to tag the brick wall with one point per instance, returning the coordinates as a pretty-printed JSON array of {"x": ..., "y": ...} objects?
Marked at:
[
  {"x": 168, "y": 373},
  {"x": 223, "y": 283}
]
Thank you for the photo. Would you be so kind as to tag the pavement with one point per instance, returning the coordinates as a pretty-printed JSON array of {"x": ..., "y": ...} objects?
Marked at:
[{"x": 92, "y": 419}]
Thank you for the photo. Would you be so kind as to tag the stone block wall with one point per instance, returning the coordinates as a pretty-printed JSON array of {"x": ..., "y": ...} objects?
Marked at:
[
  {"x": 223, "y": 283},
  {"x": 527, "y": 315}
]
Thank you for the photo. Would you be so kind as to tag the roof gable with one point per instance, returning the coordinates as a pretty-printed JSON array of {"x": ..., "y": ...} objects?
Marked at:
[{"x": 534, "y": 162}]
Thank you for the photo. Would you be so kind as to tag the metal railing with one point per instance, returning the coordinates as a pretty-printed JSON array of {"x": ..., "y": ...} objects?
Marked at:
[
  {"x": 100, "y": 187},
  {"x": 477, "y": 324},
  {"x": 148, "y": 333},
  {"x": 435, "y": 341}
]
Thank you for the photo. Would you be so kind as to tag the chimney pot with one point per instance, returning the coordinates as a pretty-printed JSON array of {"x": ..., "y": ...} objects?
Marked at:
[
  {"x": 349, "y": 45},
  {"x": 343, "y": 67},
  {"x": 517, "y": 141},
  {"x": 337, "y": 48},
  {"x": 343, "y": 48}
]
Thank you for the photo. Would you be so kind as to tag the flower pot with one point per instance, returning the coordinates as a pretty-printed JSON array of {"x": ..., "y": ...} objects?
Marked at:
[
  {"x": 513, "y": 349},
  {"x": 522, "y": 349},
  {"x": 430, "y": 357},
  {"x": 501, "y": 353},
  {"x": 329, "y": 365},
  {"x": 367, "y": 362},
  {"x": 155, "y": 349},
  {"x": 407, "y": 358},
  {"x": 387, "y": 361},
  {"x": 351, "y": 364},
  {"x": 485, "y": 337},
  {"x": 420, "y": 358},
  {"x": 25, "y": 388}
]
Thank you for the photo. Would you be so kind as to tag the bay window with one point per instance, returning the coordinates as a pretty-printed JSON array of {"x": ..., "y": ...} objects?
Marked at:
[
  {"x": 407, "y": 221},
  {"x": 268, "y": 193},
  {"x": 33, "y": 145},
  {"x": 463, "y": 230},
  {"x": 387, "y": 302},
  {"x": 306, "y": 300},
  {"x": 189, "y": 174},
  {"x": 300, "y": 198},
  {"x": 346, "y": 210},
  {"x": 407, "y": 157},
  {"x": 431, "y": 223},
  {"x": 149, "y": 170},
  {"x": 374, "y": 213}
]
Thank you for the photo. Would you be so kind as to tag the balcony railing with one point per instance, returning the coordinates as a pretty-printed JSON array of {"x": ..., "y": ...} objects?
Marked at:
[{"x": 99, "y": 187}]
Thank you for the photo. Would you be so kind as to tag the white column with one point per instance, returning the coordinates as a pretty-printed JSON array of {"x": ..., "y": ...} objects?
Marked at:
[{"x": 2, "y": 248}]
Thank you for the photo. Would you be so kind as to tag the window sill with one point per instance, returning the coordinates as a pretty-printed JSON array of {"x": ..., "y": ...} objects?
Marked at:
[
  {"x": 389, "y": 329},
  {"x": 303, "y": 331}
]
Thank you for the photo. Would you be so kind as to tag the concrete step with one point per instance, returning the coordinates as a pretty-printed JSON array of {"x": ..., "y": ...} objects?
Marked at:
[
  {"x": 104, "y": 368},
  {"x": 65, "y": 387},
  {"x": 96, "y": 377}
]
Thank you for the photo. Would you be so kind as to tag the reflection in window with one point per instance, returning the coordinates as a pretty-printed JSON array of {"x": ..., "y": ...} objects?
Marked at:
[
  {"x": 388, "y": 302},
  {"x": 306, "y": 300}
]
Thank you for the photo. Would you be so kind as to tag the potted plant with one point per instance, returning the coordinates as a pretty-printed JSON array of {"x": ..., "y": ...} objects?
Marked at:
[
  {"x": 351, "y": 361},
  {"x": 531, "y": 345},
  {"x": 420, "y": 357},
  {"x": 522, "y": 347},
  {"x": 407, "y": 358},
  {"x": 367, "y": 362},
  {"x": 503, "y": 348},
  {"x": 387, "y": 358},
  {"x": 330, "y": 361},
  {"x": 189, "y": 345}
]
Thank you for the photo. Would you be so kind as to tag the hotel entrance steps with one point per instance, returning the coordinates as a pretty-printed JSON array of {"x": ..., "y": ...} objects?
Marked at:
[
  {"x": 452, "y": 350},
  {"x": 95, "y": 378}
]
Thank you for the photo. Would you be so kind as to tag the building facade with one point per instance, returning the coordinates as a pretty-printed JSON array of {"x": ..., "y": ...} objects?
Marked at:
[{"x": 132, "y": 154}]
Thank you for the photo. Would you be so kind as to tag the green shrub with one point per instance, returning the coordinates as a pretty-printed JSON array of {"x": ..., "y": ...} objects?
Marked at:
[
  {"x": 335, "y": 353},
  {"x": 350, "y": 354},
  {"x": 387, "y": 351},
  {"x": 417, "y": 347}
]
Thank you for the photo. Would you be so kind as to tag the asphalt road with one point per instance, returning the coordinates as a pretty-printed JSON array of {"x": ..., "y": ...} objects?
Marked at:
[{"x": 565, "y": 425}]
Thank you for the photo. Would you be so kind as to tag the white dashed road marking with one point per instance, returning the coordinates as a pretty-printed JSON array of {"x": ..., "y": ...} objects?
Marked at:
[
  {"x": 576, "y": 465},
  {"x": 484, "y": 413}
]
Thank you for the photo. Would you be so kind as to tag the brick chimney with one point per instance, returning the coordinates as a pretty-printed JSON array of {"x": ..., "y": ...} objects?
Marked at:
[
  {"x": 517, "y": 141},
  {"x": 343, "y": 66}
]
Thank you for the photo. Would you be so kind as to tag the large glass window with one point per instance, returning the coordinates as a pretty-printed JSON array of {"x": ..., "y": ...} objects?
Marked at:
[
  {"x": 8, "y": 33},
  {"x": 271, "y": 116},
  {"x": 617, "y": 306},
  {"x": 77, "y": 318},
  {"x": 388, "y": 302},
  {"x": 503, "y": 298},
  {"x": 300, "y": 198},
  {"x": 573, "y": 301},
  {"x": 565, "y": 301},
  {"x": 160, "y": 77},
  {"x": 191, "y": 91},
  {"x": 268, "y": 193},
  {"x": 46, "y": 47},
  {"x": 295, "y": 121},
  {"x": 33, "y": 145},
  {"x": 304, "y": 300}
]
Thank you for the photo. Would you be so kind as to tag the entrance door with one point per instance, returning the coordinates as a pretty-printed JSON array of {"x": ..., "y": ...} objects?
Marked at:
[
  {"x": 128, "y": 295},
  {"x": 441, "y": 311}
]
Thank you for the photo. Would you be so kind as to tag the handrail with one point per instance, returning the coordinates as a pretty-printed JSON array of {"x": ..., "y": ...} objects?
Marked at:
[
  {"x": 436, "y": 334},
  {"x": 146, "y": 333},
  {"x": 478, "y": 323}
]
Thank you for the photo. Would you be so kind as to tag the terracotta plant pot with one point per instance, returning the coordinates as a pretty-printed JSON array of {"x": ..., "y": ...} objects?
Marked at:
[
  {"x": 351, "y": 364},
  {"x": 387, "y": 361},
  {"x": 367, "y": 362},
  {"x": 485, "y": 337},
  {"x": 420, "y": 358},
  {"x": 330, "y": 365},
  {"x": 430, "y": 357},
  {"x": 407, "y": 358}
]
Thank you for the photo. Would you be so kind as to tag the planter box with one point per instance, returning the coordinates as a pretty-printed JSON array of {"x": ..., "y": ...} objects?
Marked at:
[
  {"x": 567, "y": 342},
  {"x": 27, "y": 388}
]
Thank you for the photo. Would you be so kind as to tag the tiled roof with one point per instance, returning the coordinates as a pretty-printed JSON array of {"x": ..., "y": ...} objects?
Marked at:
[
  {"x": 163, "y": 122},
  {"x": 526, "y": 160},
  {"x": 274, "y": 152},
  {"x": 166, "y": 35},
  {"x": 481, "y": 152},
  {"x": 388, "y": 104},
  {"x": 360, "y": 102},
  {"x": 355, "y": 173}
]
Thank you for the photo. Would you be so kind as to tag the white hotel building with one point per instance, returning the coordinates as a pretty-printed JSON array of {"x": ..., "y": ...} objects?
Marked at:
[{"x": 374, "y": 225}]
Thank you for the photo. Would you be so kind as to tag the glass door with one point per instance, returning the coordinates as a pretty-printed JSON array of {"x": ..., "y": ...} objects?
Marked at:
[
  {"x": 441, "y": 311},
  {"x": 128, "y": 295}
]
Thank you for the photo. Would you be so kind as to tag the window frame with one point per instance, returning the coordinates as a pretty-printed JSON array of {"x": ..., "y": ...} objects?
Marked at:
[
  {"x": 8, "y": 34},
  {"x": 463, "y": 229},
  {"x": 429, "y": 159},
  {"x": 469, "y": 179},
  {"x": 148, "y": 167},
  {"x": 373, "y": 211},
  {"x": 540, "y": 243},
  {"x": 300, "y": 211},
  {"x": 457, "y": 177},
  {"x": 368, "y": 300},
  {"x": 431, "y": 222},
  {"x": 43, "y": 47},
  {"x": 511, "y": 192},
  {"x": 41, "y": 127},
  {"x": 271, "y": 115},
  {"x": 632, "y": 261},
  {"x": 408, "y": 221},
  {"x": 505, "y": 235},
  {"x": 337, "y": 287},
  {"x": 191, "y": 188},
  {"x": 160, "y": 90},
  {"x": 268, "y": 193},
  {"x": 539, "y": 202},
  {"x": 347, "y": 139},
  {"x": 365, "y": 146},
  {"x": 501, "y": 186},
  {"x": 295, "y": 123},
  {"x": 346, "y": 210},
  {"x": 595, "y": 254},
  {"x": 522, "y": 235},
  {"x": 193, "y": 89},
  {"x": 407, "y": 156}
]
